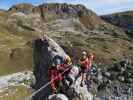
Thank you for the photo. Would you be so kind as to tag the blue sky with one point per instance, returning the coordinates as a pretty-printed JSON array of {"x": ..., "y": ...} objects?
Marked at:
[{"x": 99, "y": 6}]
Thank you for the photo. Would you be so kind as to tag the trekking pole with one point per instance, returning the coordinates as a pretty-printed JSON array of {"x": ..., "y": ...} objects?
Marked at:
[{"x": 44, "y": 86}]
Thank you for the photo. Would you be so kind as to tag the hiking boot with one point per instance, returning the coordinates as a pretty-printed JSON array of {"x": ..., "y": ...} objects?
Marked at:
[{"x": 88, "y": 82}]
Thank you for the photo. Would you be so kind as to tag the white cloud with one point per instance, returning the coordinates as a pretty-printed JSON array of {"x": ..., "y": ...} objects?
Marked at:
[{"x": 107, "y": 6}]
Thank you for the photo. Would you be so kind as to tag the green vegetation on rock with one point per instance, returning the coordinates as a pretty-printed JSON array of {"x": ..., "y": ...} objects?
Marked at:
[{"x": 14, "y": 93}]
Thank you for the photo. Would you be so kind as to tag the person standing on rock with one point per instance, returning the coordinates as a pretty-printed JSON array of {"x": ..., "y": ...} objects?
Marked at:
[
  {"x": 85, "y": 65},
  {"x": 124, "y": 62}
]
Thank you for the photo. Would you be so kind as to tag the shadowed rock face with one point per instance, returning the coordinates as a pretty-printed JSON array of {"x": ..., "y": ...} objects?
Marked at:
[{"x": 44, "y": 51}]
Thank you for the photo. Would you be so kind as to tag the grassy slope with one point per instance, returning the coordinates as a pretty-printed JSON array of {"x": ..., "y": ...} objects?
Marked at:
[
  {"x": 106, "y": 50},
  {"x": 14, "y": 53},
  {"x": 14, "y": 93},
  {"x": 15, "y": 56}
]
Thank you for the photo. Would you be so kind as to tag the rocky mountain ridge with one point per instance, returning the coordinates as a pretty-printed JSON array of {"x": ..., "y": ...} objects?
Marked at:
[{"x": 55, "y": 11}]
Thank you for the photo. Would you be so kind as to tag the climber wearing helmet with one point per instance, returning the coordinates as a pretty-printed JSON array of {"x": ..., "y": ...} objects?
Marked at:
[
  {"x": 54, "y": 73},
  {"x": 55, "y": 78},
  {"x": 85, "y": 64},
  {"x": 59, "y": 65},
  {"x": 68, "y": 64},
  {"x": 68, "y": 60}
]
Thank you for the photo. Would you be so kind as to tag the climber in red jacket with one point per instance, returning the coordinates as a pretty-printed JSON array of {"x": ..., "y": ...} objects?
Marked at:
[
  {"x": 55, "y": 73},
  {"x": 55, "y": 77},
  {"x": 85, "y": 64}
]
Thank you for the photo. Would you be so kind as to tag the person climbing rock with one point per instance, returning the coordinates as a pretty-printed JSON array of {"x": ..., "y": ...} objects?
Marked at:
[
  {"x": 59, "y": 66},
  {"x": 85, "y": 65},
  {"x": 57, "y": 60},
  {"x": 54, "y": 73},
  {"x": 68, "y": 64},
  {"x": 68, "y": 60},
  {"x": 55, "y": 78}
]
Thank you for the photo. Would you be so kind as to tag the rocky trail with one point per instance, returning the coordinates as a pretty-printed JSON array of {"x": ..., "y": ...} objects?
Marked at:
[
  {"x": 15, "y": 79},
  {"x": 16, "y": 86},
  {"x": 114, "y": 84},
  {"x": 102, "y": 86}
]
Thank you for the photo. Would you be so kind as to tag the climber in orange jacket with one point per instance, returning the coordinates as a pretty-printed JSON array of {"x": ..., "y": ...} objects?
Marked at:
[{"x": 85, "y": 64}]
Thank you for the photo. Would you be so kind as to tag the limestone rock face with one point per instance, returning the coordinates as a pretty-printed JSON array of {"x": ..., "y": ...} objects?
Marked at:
[
  {"x": 76, "y": 92},
  {"x": 54, "y": 11},
  {"x": 50, "y": 12},
  {"x": 58, "y": 97}
]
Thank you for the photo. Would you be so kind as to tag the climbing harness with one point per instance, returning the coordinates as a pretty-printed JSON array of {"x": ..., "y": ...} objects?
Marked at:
[{"x": 45, "y": 85}]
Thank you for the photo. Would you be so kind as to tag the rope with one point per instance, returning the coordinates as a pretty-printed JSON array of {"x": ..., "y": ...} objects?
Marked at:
[{"x": 45, "y": 85}]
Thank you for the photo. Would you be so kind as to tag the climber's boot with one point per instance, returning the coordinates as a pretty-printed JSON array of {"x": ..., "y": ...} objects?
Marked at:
[{"x": 81, "y": 84}]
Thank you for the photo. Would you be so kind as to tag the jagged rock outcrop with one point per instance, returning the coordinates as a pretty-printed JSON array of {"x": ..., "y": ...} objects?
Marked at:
[
  {"x": 55, "y": 11},
  {"x": 113, "y": 82},
  {"x": 76, "y": 92},
  {"x": 44, "y": 50},
  {"x": 65, "y": 11}
]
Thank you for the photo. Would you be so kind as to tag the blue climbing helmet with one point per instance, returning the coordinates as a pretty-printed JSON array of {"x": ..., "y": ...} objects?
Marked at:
[{"x": 57, "y": 60}]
